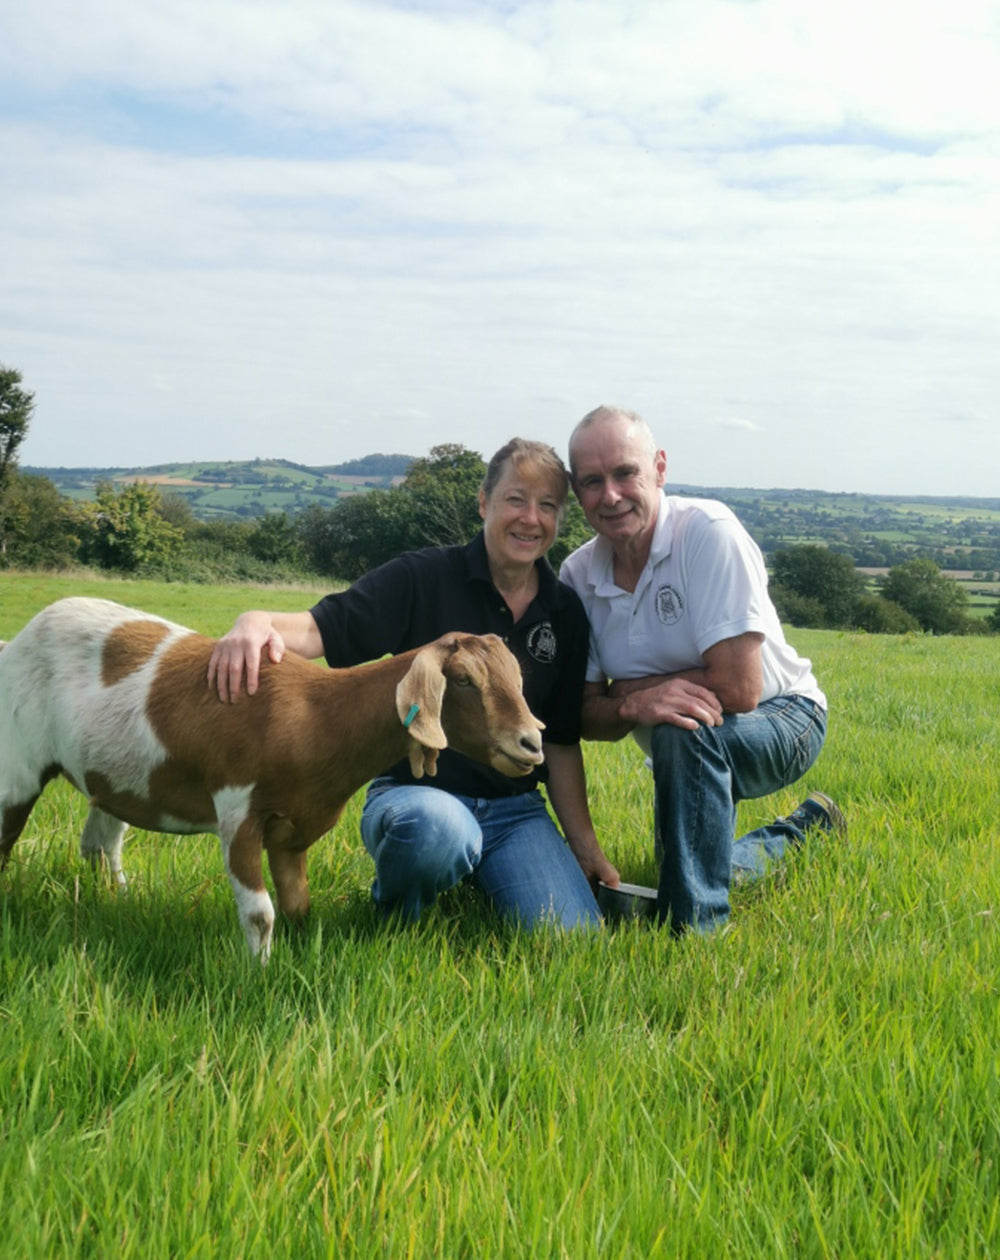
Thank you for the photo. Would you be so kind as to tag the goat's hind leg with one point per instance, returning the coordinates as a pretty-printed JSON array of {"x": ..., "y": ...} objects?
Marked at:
[
  {"x": 288, "y": 870},
  {"x": 101, "y": 843},
  {"x": 13, "y": 816},
  {"x": 21, "y": 785}
]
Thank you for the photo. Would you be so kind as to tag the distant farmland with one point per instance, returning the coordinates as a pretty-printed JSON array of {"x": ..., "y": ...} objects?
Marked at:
[{"x": 233, "y": 490}]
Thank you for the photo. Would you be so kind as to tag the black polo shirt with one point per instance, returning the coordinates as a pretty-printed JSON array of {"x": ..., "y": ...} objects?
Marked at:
[{"x": 421, "y": 595}]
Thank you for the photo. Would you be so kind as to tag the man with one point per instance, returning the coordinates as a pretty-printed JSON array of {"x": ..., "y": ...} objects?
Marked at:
[{"x": 687, "y": 654}]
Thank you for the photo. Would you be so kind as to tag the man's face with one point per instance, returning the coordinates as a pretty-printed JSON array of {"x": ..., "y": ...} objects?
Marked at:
[{"x": 618, "y": 480}]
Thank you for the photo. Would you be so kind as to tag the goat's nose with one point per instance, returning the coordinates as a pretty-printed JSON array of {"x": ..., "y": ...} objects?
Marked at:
[{"x": 531, "y": 743}]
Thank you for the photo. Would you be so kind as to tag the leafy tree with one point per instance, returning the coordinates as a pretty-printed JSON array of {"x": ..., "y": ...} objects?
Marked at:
[
  {"x": 275, "y": 540},
  {"x": 16, "y": 406},
  {"x": 993, "y": 620},
  {"x": 360, "y": 533},
  {"x": 215, "y": 550},
  {"x": 127, "y": 532},
  {"x": 938, "y": 602},
  {"x": 176, "y": 509},
  {"x": 437, "y": 505},
  {"x": 818, "y": 574},
  {"x": 797, "y": 610},
  {"x": 43, "y": 528},
  {"x": 443, "y": 493},
  {"x": 878, "y": 615}
]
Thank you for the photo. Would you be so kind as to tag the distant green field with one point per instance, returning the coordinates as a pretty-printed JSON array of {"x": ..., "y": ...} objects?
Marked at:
[
  {"x": 820, "y": 1080},
  {"x": 232, "y": 488}
]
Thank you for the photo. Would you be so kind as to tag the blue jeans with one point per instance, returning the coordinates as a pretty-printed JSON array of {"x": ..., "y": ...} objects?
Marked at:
[
  {"x": 424, "y": 840},
  {"x": 699, "y": 777}
]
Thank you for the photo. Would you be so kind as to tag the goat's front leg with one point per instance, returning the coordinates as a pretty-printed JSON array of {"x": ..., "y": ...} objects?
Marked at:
[
  {"x": 243, "y": 854},
  {"x": 102, "y": 840}
]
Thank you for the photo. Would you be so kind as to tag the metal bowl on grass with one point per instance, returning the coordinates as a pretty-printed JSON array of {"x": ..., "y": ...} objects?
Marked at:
[{"x": 627, "y": 901}]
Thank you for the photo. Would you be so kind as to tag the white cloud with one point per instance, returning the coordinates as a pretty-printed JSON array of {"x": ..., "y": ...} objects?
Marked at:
[
  {"x": 744, "y": 426},
  {"x": 316, "y": 229}
]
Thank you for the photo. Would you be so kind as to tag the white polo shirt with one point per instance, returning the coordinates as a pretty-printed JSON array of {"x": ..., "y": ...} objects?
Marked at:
[{"x": 705, "y": 580}]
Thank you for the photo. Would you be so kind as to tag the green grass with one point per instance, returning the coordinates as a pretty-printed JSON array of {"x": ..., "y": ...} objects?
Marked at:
[{"x": 819, "y": 1080}]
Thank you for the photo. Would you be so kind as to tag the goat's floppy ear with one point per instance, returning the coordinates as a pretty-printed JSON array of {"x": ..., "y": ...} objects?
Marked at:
[{"x": 419, "y": 696}]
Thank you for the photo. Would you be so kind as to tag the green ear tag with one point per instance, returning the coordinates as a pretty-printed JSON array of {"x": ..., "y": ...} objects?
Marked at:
[{"x": 408, "y": 720}]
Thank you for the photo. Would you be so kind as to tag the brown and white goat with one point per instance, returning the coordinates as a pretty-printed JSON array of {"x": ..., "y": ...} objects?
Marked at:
[{"x": 117, "y": 701}]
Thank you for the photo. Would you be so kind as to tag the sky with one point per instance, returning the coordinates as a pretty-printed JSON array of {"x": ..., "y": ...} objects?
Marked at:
[{"x": 316, "y": 229}]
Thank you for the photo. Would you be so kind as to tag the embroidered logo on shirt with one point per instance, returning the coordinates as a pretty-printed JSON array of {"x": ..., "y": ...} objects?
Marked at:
[
  {"x": 669, "y": 605},
  {"x": 542, "y": 642}
]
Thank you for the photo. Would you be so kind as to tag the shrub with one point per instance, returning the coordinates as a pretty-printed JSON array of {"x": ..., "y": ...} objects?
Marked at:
[
  {"x": 796, "y": 609},
  {"x": 878, "y": 615},
  {"x": 937, "y": 601}
]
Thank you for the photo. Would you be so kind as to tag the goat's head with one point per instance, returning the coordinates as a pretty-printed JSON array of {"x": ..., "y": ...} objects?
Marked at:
[{"x": 465, "y": 690}]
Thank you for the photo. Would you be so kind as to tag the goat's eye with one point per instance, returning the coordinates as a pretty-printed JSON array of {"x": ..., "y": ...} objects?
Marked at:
[{"x": 462, "y": 680}]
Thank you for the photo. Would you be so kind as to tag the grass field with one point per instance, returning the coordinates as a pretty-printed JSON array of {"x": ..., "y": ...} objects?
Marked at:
[{"x": 821, "y": 1079}]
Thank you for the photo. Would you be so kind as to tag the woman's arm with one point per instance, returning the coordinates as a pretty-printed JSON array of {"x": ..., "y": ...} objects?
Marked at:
[
  {"x": 235, "y": 659},
  {"x": 567, "y": 792}
]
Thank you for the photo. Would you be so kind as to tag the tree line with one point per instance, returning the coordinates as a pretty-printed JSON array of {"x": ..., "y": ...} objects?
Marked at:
[
  {"x": 814, "y": 586},
  {"x": 138, "y": 530}
]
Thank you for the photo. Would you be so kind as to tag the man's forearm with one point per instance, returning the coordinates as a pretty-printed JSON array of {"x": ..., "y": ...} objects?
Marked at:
[{"x": 619, "y": 688}]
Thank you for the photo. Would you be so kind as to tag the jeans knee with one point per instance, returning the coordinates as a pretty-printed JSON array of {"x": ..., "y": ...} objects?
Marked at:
[
  {"x": 427, "y": 834},
  {"x": 438, "y": 853},
  {"x": 674, "y": 747}
]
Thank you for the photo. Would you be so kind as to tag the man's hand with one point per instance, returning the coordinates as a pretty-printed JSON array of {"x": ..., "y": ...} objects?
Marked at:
[{"x": 678, "y": 701}]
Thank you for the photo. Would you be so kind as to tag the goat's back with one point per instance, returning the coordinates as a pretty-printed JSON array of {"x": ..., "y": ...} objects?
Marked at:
[{"x": 73, "y": 684}]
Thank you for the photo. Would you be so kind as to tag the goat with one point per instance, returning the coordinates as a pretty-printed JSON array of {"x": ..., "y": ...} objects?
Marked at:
[{"x": 116, "y": 701}]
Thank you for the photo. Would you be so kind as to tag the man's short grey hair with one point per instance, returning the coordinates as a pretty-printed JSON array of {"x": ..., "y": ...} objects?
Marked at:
[{"x": 639, "y": 426}]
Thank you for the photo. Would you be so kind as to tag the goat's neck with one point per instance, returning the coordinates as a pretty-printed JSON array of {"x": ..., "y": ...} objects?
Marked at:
[{"x": 359, "y": 709}]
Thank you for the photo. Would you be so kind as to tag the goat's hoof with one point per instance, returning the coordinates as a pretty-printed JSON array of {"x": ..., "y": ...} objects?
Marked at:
[{"x": 259, "y": 930}]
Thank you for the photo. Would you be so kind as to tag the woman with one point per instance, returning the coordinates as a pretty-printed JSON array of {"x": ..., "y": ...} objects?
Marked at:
[{"x": 472, "y": 821}]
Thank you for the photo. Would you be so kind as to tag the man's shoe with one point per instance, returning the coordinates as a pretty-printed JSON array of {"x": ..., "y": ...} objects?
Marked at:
[{"x": 817, "y": 810}]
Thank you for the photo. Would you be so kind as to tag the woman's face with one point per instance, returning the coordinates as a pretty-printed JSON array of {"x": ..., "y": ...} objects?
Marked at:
[{"x": 521, "y": 515}]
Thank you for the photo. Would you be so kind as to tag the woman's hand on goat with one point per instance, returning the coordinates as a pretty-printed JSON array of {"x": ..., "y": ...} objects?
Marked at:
[{"x": 236, "y": 657}]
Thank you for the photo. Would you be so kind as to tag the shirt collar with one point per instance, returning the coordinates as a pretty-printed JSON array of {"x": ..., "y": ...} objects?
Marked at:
[
  {"x": 476, "y": 564},
  {"x": 478, "y": 568}
]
